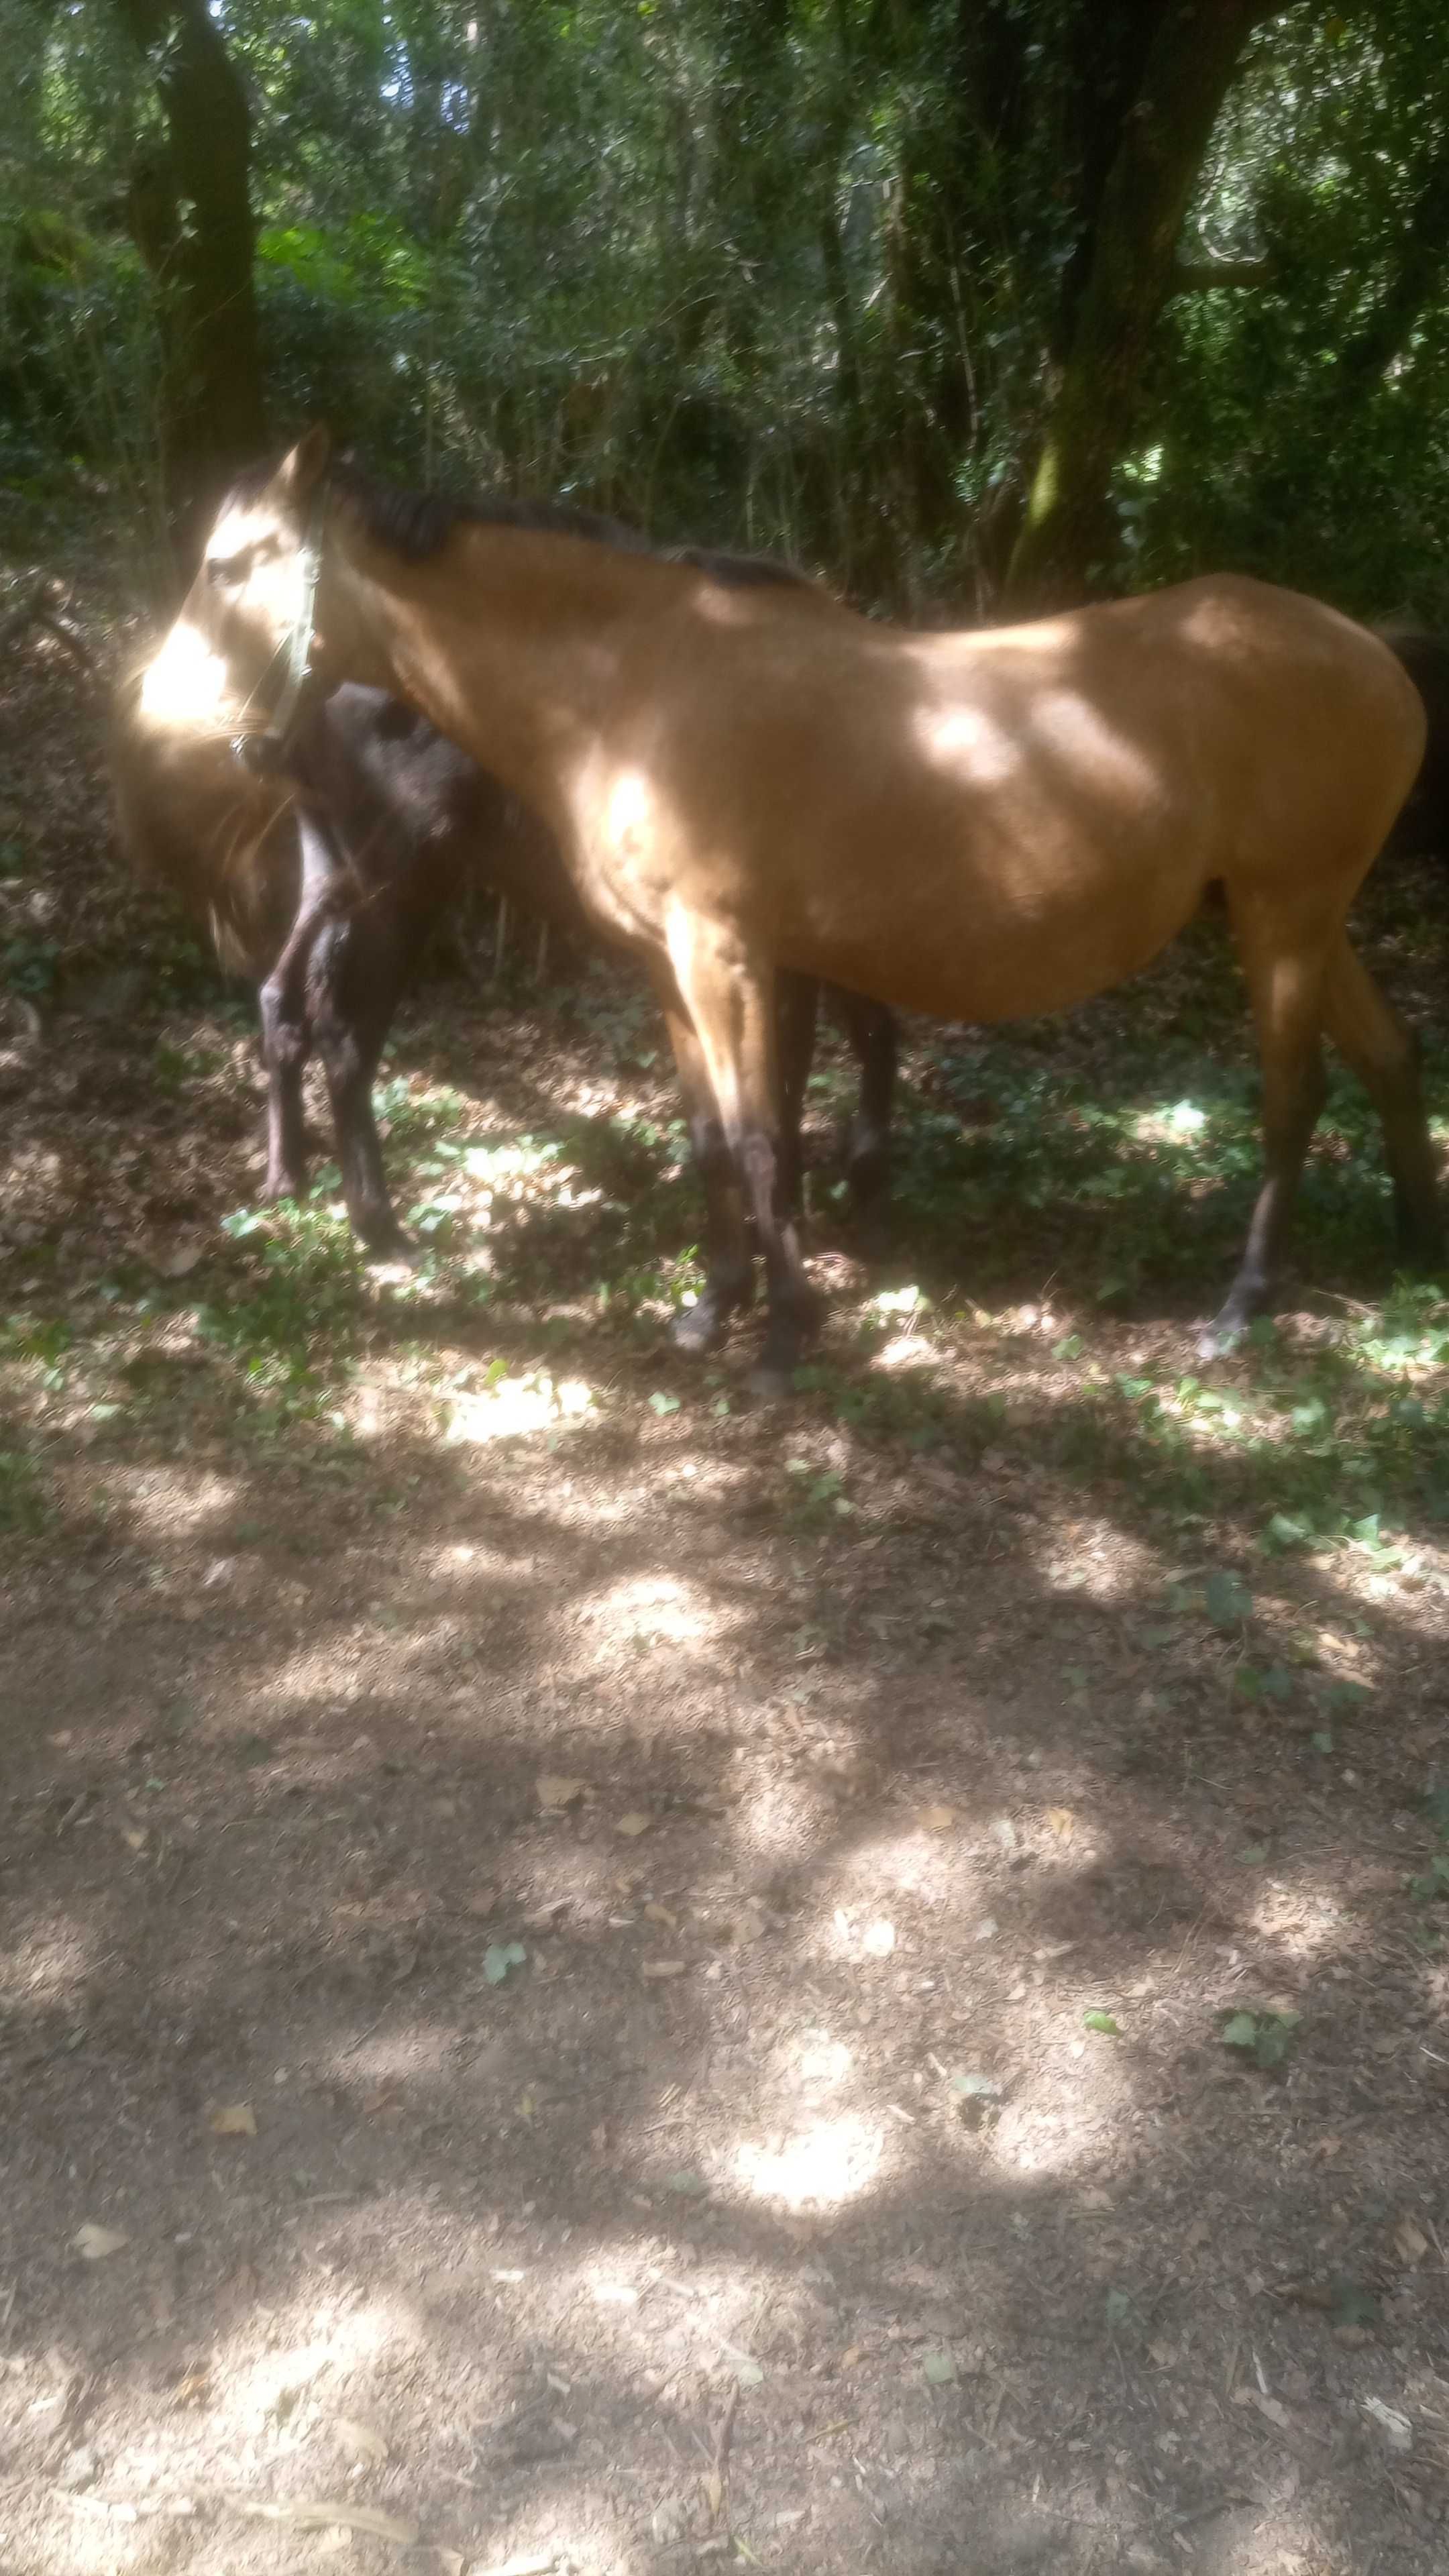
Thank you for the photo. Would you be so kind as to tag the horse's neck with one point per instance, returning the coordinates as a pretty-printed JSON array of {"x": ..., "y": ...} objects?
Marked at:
[{"x": 500, "y": 640}]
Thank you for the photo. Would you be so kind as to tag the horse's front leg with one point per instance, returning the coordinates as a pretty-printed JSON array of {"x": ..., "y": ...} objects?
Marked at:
[
  {"x": 729, "y": 1266},
  {"x": 729, "y": 994}
]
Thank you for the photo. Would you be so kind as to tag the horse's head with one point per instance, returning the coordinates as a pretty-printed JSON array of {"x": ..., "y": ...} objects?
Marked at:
[{"x": 265, "y": 587}]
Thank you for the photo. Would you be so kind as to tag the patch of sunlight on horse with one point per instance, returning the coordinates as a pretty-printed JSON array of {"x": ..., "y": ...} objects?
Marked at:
[
  {"x": 43, "y": 1966},
  {"x": 968, "y": 740},
  {"x": 1069, "y": 724},
  {"x": 186, "y": 683},
  {"x": 518, "y": 1408},
  {"x": 630, "y": 809},
  {"x": 822, "y": 2167}
]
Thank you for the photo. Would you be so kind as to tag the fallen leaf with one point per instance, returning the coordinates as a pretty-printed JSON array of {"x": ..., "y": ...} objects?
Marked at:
[
  {"x": 939, "y": 2368},
  {"x": 664, "y": 1967},
  {"x": 853, "y": 2354},
  {"x": 633, "y": 1823},
  {"x": 1411, "y": 2243},
  {"x": 938, "y": 1820},
  {"x": 238, "y": 2120},
  {"x": 1062, "y": 1823},
  {"x": 361, "y": 2440},
  {"x": 386, "y": 2098},
  {"x": 556, "y": 1793},
  {"x": 712, "y": 2488},
  {"x": 306, "y": 2516},
  {"x": 1397, "y": 2426},
  {"x": 748, "y": 1924},
  {"x": 95, "y": 2243},
  {"x": 499, "y": 1957},
  {"x": 656, "y": 1913},
  {"x": 134, "y": 1837}
]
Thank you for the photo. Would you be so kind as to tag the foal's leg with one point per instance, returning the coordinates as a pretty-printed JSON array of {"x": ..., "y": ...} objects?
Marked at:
[
  {"x": 871, "y": 1029},
  {"x": 729, "y": 1264},
  {"x": 1385, "y": 1056},
  {"x": 286, "y": 1046},
  {"x": 797, "y": 1003},
  {"x": 282, "y": 1004},
  {"x": 730, "y": 997},
  {"x": 356, "y": 975},
  {"x": 1286, "y": 982}
]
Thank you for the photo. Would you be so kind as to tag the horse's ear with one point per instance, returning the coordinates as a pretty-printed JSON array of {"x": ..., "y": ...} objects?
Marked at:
[{"x": 301, "y": 472}]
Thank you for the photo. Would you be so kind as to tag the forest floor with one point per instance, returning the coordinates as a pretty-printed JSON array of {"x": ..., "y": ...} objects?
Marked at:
[{"x": 598, "y": 1978}]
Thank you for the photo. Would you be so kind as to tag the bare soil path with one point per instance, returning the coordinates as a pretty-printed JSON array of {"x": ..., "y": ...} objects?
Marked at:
[{"x": 592, "y": 1979}]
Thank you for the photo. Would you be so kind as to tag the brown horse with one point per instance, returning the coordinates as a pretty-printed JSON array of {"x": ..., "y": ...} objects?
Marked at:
[
  {"x": 320, "y": 881},
  {"x": 985, "y": 825}
]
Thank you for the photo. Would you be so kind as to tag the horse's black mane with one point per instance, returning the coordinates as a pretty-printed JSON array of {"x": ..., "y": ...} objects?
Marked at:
[{"x": 417, "y": 525}]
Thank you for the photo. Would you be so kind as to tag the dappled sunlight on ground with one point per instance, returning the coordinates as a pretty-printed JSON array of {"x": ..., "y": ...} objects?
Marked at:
[{"x": 646, "y": 1980}]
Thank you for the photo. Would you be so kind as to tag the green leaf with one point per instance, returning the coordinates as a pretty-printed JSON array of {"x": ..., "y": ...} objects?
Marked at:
[
  {"x": 1322, "y": 1739},
  {"x": 1227, "y": 1601},
  {"x": 939, "y": 2368},
  {"x": 1103, "y": 2022},
  {"x": 1117, "y": 2308},
  {"x": 686, "y": 2185},
  {"x": 1240, "y": 2030},
  {"x": 663, "y": 1404},
  {"x": 1252, "y": 1853},
  {"x": 499, "y": 1957}
]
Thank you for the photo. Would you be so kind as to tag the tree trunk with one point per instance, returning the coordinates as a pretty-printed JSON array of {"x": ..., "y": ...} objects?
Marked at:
[
  {"x": 1068, "y": 539},
  {"x": 192, "y": 221}
]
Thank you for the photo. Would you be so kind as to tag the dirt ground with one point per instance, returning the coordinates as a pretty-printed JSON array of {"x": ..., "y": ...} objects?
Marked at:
[{"x": 596, "y": 1979}]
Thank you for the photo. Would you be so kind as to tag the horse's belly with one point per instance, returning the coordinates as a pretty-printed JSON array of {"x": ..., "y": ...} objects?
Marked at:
[{"x": 988, "y": 958}]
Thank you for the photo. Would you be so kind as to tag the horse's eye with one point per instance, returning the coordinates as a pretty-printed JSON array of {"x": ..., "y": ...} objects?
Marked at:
[{"x": 227, "y": 570}]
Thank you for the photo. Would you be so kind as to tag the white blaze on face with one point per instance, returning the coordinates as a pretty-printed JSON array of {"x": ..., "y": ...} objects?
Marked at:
[{"x": 185, "y": 683}]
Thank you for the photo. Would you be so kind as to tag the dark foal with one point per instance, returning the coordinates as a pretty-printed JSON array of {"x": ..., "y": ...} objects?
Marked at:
[{"x": 322, "y": 885}]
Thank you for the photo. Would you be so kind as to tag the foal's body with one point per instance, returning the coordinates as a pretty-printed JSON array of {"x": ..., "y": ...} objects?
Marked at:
[{"x": 985, "y": 826}]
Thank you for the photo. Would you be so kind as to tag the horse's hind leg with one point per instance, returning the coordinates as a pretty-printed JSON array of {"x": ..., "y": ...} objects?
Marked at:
[
  {"x": 730, "y": 997},
  {"x": 729, "y": 1265},
  {"x": 1385, "y": 1055},
  {"x": 1286, "y": 982}
]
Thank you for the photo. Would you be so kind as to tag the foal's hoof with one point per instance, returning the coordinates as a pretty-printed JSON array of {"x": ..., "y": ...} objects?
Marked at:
[{"x": 696, "y": 1329}]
